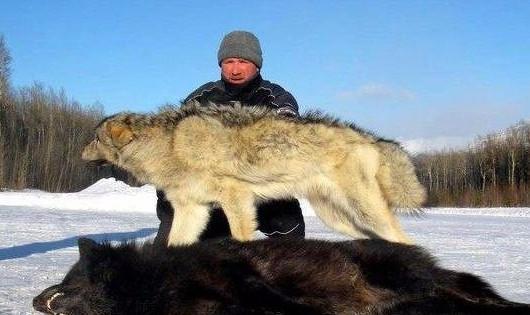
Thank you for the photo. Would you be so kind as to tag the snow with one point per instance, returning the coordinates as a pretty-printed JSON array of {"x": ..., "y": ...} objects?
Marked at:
[
  {"x": 39, "y": 232},
  {"x": 497, "y": 212},
  {"x": 105, "y": 195}
]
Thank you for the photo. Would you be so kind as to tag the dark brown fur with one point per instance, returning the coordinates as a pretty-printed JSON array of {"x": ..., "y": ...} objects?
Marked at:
[{"x": 268, "y": 277}]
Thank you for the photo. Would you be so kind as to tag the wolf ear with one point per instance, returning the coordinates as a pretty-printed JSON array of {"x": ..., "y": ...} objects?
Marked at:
[
  {"x": 120, "y": 134},
  {"x": 96, "y": 261},
  {"x": 87, "y": 247}
]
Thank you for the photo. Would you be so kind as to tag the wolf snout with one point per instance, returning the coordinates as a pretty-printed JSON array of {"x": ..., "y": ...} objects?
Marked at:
[
  {"x": 90, "y": 154},
  {"x": 44, "y": 301},
  {"x": 88, "y": 151},
  {"x": 39, "y": 304}
]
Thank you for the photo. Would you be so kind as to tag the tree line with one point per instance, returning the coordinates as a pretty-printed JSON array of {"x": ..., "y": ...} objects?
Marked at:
[
  {"x": 42, "y": 133},
  {"x": 493, "y": 171}
]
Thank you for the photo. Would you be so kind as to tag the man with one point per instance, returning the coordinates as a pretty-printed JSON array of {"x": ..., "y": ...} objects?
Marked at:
[{"x": 240, "y": 59}]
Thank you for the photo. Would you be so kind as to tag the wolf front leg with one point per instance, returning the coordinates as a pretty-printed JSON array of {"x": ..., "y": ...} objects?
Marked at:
[
  {"x": 240, "y": 210},
  {"x": 189, "y": 220}
]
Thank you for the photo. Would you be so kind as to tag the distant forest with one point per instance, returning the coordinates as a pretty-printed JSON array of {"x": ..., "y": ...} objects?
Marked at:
[
  {"x": 493, "y": 171},
  {"x": 42, "y": 133}
]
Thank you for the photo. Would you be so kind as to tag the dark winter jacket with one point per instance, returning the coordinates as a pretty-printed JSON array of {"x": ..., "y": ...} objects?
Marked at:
[{"x": 257, "y": 92}]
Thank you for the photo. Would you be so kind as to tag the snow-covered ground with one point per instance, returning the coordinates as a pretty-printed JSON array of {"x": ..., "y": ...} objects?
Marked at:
[{"x": 39, "y": 230}]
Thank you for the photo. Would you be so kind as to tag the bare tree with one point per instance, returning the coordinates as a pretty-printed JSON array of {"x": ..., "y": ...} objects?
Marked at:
[
  {"x": 5, "y": 71},
  {"x": 495, "y": 170}
]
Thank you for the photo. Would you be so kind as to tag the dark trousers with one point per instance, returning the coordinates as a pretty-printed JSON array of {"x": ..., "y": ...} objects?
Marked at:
[{"x": 276, "y": 218}]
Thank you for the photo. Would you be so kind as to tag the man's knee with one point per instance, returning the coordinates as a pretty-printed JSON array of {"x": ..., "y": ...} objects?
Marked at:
[{"x": 281, "y": 218}]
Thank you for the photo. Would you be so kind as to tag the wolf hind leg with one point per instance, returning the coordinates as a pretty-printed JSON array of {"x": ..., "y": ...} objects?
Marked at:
[
  {"x": 368, "y": 204},
  {"x": 329, "y": 205}
]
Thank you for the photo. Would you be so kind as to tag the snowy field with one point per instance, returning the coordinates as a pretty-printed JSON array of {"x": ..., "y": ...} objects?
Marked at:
[{"x": 39, "y": 231}]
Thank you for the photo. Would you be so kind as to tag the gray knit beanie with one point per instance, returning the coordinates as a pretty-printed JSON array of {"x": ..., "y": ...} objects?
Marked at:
[{"x": 240, "y": 44}]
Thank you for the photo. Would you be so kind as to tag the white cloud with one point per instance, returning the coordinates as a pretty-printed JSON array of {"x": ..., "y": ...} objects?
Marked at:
[
  {"x": 378, "y": 93},
  {"x": 422, "y": 145}
]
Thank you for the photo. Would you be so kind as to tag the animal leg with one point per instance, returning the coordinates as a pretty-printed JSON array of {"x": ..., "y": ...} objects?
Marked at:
[
  {"x": 333, "y": 214},
  {"x": 375, "y": 216},
  {"x": 189, "y": 220},
  {"x": 241, "y": 213}
]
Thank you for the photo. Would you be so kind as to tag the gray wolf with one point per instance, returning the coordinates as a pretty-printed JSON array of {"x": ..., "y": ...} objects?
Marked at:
[
  {"x": 268, "y": 277},
  {"x": 238, "y": 156}
]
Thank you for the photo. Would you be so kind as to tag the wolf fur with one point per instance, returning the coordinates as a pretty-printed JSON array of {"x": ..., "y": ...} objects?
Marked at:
[
  {"x": 235, "y": 157},
  {"x": 268, "y": 277}
]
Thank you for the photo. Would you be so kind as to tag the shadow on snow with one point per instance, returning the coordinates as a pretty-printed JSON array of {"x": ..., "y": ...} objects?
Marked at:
[{"x": 21, "y": 251}]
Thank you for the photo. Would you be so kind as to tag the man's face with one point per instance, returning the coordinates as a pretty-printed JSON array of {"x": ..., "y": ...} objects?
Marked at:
[{"x": 238, "y": 71}]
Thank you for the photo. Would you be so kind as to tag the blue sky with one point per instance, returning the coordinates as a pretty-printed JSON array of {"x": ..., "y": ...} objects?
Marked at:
[{"x": 404, "y": 69}]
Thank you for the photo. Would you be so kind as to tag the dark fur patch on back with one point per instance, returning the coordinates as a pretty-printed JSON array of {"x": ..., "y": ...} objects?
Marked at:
[
  {"x": 236, "y": 115},
  {"x": 317, "y": 117}
]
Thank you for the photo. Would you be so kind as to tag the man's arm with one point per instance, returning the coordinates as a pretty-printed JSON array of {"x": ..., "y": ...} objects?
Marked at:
[
  {"x": 199, "y": 94},
  {"x": 286, "y": 104}
]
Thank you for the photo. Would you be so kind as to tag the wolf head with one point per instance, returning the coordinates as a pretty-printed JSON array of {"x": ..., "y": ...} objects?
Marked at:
[
  {"x": 112, "y": 135},
  {"x": 91, "y": 286}
]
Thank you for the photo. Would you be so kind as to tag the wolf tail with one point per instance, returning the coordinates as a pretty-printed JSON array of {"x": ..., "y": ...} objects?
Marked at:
[{"x": 398, "y": 180}]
